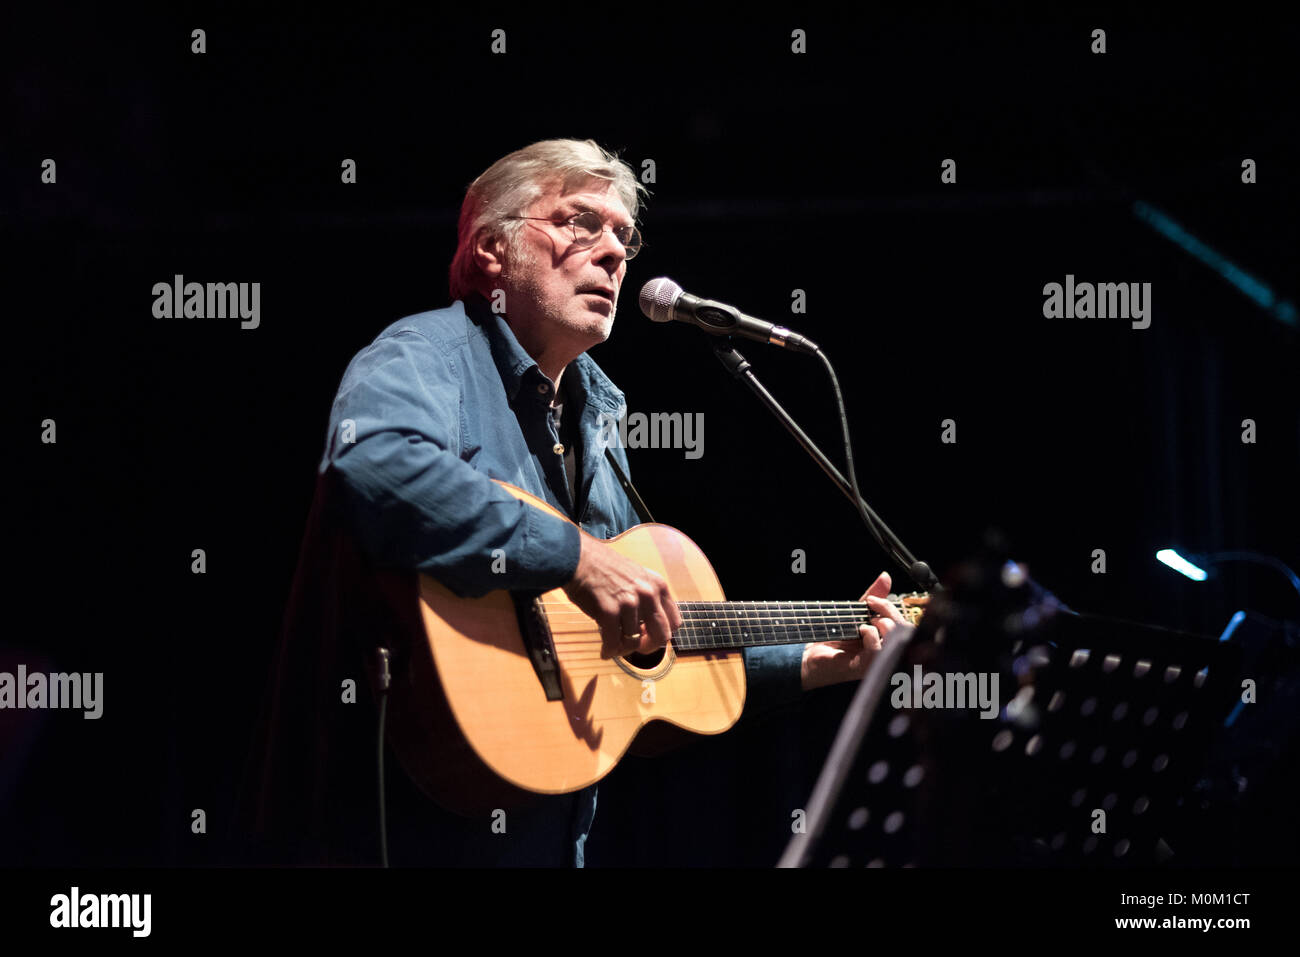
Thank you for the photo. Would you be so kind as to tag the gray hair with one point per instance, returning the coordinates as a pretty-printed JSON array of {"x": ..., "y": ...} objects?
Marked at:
[{"x": 514, "y": 183}]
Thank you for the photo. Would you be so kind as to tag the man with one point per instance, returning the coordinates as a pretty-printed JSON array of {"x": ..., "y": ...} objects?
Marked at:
[{"x": 499, "y": 385}]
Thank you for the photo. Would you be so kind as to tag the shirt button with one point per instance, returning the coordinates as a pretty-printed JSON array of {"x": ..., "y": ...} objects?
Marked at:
[
  {"x": 558, "y": 449},
  {"x": 543, "y": 388}
]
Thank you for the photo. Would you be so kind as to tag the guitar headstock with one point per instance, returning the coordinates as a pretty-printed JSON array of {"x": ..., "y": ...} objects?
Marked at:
[{"x": 911, "y": 604}]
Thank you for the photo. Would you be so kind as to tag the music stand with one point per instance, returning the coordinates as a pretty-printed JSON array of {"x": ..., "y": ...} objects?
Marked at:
[{"x": 1094, "y": 715}]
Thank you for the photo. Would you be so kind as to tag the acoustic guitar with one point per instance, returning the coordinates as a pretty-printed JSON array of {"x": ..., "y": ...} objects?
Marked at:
[{"x": 506, "y": 696}]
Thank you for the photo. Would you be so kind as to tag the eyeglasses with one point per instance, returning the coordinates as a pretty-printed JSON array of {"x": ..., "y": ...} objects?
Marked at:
[{"x": 587, "y": 230}]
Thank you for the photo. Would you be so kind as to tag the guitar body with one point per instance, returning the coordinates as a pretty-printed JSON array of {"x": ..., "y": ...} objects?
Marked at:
[{"x": 473, "y": 725}]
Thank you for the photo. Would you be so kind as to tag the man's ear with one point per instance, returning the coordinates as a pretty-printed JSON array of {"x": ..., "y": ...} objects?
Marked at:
[{"x": 489, "y": 255}]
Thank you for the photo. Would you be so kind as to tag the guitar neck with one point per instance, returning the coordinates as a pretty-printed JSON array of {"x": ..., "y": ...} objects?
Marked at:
[{"x": 744, "y": 624}]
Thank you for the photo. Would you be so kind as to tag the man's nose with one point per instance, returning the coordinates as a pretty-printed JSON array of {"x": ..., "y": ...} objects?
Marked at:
[{"x": 608, "y": 251}]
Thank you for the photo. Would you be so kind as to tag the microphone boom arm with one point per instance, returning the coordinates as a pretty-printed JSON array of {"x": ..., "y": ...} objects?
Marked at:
[{"x": 739, "y": 367}]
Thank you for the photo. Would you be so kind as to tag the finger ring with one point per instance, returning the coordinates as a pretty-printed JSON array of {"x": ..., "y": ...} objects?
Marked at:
[{"x": 633, "y": 636}]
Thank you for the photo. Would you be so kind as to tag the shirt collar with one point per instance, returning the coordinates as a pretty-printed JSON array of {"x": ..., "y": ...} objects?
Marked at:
[{"x": 516, "y": 366}]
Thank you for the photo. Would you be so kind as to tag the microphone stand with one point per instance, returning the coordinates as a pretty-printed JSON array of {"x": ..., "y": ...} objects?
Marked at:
[{"x": 740, "y": 368}]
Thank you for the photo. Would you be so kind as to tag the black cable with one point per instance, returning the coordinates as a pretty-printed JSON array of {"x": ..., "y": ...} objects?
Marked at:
[
  {"x": 848, "y": 457},
  {"x": 384, "y": 680},
  {"x": 1260, "y": 558},
  {"x": 919, "y": 571},
  {"x": 383, "y": 824}
]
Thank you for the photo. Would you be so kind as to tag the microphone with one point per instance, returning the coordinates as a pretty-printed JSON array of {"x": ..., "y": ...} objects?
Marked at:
[{"x": 662, "y": 300}]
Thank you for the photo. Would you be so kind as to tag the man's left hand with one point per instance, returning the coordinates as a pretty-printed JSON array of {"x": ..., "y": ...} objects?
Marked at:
[{"x": 830, "y": 662}]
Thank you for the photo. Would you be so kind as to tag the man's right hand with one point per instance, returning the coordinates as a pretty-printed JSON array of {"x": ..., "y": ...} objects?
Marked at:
[{"x": 630, "y": 603}]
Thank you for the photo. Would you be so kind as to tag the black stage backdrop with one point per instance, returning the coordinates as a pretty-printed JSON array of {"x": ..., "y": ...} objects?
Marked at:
[{"x": 774, "y": 171}]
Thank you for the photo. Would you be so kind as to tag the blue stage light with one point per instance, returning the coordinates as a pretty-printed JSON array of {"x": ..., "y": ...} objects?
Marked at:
[{"x": 1180, "y": 564}]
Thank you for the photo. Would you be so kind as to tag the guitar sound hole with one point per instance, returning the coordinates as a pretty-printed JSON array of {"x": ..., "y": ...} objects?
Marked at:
[{"x": 647, "y": 662}]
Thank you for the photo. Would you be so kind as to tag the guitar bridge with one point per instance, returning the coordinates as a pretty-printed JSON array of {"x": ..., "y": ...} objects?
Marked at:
[{"x": 536, "y": 632}]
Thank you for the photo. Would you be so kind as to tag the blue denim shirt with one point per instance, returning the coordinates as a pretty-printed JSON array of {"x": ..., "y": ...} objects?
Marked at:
[{"x": 432, "y": 410}]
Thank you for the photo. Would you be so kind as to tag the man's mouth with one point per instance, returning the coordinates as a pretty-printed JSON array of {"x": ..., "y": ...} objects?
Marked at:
[{"x": 602, "y": 291}]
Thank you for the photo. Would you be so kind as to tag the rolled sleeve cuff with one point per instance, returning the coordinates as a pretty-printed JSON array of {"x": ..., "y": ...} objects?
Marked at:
[
  {"x": 774, "y": 673},
  {"x": 551, "y": 550}
]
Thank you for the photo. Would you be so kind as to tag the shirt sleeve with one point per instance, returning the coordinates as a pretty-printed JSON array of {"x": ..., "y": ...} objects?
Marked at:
[
  {"x": 412, "y": 502},
  {"x": 774, "y": 674}
]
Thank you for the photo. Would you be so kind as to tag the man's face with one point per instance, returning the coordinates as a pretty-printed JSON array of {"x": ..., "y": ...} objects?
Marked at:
[{"x": 557, "y": 289}]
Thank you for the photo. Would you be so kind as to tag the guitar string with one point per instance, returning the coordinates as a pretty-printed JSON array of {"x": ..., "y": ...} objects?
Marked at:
[
  {"x": 700, "y": 602},
  {"x": 714, "y": 626},
  {"x": 777, "y": 601},
  {"x": 702, "y": 642},
  {"x": 594, "y": 664},
  {"x": 738, "y": 613},
  {"x": 724, "y": 625},
  {"x": 768, "y": 612},
  {"x": 571, "y": 651},
  {"x": 704, "y": 607},
  {"x": 734, "y": 628},
  {"x": 575, "y": 653},
  {"x": 578, "y": 616},
  {"x": 578, "y": 621},
  {"x": 693, "y": 642}
]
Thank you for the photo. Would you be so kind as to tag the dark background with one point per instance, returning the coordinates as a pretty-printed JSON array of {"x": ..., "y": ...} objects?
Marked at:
[{"x": 774, "y": 172}]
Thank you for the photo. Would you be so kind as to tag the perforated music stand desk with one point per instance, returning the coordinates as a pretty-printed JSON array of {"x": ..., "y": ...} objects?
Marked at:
[{"x": 1103, "y": 726}]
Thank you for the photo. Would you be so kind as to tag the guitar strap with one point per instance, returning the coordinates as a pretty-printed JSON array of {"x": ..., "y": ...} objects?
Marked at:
[{"x": 642, "y": 512}]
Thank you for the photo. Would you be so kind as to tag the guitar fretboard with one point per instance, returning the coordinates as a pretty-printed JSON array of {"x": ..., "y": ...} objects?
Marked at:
[{"x": 739, "y": 624}]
